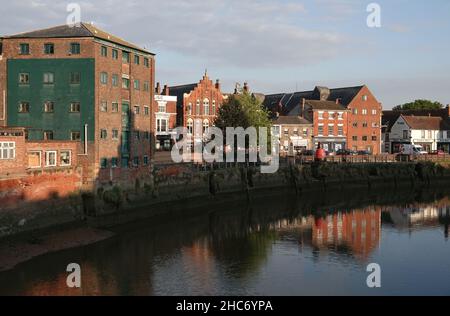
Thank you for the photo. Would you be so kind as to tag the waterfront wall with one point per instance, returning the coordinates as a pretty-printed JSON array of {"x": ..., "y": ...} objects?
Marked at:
[{"x": 175, "y": 187}]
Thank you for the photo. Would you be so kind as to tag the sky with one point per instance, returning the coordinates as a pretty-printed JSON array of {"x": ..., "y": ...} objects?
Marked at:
[{"x": 274, "y": 45}]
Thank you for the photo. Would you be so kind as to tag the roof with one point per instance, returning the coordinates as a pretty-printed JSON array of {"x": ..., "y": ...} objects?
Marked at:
[
  {"x": 179, "y": 92},
  {"x": 291, "y": 120},
  {"x": 287, "y": 102},
  {"x": 85, "y": 30},
  {"x": 390, "y": 117},
  {"x": 426, "y": 122},
  {"x": 324, "y": 105}
]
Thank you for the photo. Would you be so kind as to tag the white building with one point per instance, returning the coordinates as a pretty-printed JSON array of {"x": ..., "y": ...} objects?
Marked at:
[{"x": 431, "y": 132}]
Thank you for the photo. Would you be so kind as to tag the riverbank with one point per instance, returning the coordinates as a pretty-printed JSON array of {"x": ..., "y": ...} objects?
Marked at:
[{"x": 176, "y": 188}]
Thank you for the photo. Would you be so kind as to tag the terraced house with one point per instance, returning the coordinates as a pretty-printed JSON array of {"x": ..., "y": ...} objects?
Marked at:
[{"x": 84, "y": 85}]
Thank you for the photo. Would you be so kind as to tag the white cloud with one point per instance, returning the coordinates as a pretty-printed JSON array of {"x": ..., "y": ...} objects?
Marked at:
[{"x": 259, "y": 33}]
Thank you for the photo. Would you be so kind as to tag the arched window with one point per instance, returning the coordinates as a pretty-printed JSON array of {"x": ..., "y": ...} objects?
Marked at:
[
  {"x": 190, "y": 126},
  {"x": 205, "y": 107},
  {"x": 214, "y": 107},
  {"x": 189, "y": 109},
  {"x": 197, "y": 108},
  {"x": 205, "y": 127}
]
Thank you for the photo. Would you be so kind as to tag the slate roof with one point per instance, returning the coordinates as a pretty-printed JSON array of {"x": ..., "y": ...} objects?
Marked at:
[
  {"x": 426, "y": 123},
  {"x": 324, "y": 105},
  {"x": 289, "y": 101},
  {"x": 179, "y": 92},
  {"x": 291, "y": 120},
  {"x": 85, "y": 30}
]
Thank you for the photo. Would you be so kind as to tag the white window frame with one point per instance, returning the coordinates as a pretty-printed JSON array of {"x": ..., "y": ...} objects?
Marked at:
[
  {"x": 8, "y": 149},
  {"x": 47, "y": 155}
]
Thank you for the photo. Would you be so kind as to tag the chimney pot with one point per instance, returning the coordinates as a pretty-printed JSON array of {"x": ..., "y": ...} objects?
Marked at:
[
  {"x": 166, "y": 90},
  {"x": 218, "y": 84},
  {"x": 158, "y": 88},
  {"x": 246, "y": 86}
]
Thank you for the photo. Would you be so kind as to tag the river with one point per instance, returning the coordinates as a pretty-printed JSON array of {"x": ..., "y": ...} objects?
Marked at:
[{"x": 319, "y": 244}]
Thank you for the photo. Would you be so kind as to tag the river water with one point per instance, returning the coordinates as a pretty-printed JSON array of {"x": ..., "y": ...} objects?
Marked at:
[{"x": 282, "y": 245}]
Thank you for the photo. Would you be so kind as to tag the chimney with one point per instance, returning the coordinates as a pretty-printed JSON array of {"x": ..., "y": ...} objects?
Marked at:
[
  {"x": 166, "y": 90},
  {"x": 218, "y": 84},
  {"x": 158, "y": 88},
  {"x": 246, "y": 89},
  {"x": 338, "y": 101},
  {"x": 448, "y": 109}
]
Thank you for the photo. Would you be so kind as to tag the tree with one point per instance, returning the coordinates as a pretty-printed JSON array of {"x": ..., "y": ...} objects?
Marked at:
[
  {"x": 243, "y": 110},
  {"x": 420, "y": 105}
]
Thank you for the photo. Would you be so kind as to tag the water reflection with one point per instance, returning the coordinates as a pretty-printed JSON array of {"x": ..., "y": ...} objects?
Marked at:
[{"x": 280, "y": 246}]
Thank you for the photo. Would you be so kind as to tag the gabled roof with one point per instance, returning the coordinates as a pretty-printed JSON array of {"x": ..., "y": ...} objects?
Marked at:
[
  {"x": 291, "y": 120},
  {"x": 390, "y": 117},
  {"x": 426, "y": 123},
  {"x": 85, "y": 30},
  {"x": 289, "y": 101}
]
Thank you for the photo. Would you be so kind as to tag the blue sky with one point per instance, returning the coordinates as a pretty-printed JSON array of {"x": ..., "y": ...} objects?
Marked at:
[{"x": 277, "y": 46}]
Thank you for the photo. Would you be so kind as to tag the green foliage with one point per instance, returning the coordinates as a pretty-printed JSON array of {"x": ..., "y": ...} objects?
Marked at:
[
  {"x": 420, "y": 105},
  {"x": 243, "y": 110}
]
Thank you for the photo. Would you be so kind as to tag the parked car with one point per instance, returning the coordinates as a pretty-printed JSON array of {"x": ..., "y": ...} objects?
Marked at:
[
  {"x": 413, "y": 150},
  {"x": 346, "y": 152},
  {"x": 364, "y": 153},
  {"x": 439, "y": 152},
  {"x": 308, "y": 153}
]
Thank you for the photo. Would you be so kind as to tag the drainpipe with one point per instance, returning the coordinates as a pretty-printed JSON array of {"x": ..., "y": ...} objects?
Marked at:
[
  {"x": 85, "y": 139},
  {"x": 4, "y": 106}
]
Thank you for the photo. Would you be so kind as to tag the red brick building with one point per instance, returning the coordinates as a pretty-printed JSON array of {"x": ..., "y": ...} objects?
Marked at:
[
  {"x": 363, "y": 123},
  {"x": 82, "y": 84},
  {"x": 198, "y": 104}
]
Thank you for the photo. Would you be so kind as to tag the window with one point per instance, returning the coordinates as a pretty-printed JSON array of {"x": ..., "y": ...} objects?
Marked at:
[
  {"x": 340, "y": 116},
  {"x": 75, "y": 48},
  {"x": 49, "y": 49},
  {"x": 364, "y": 124},
  {"x": 24, "y": 49},
  {"x": 137, "y": 135},
  {"x": 75, "y": 136},
  {"x": 50, "y": 158},
  {"x": 146, "y": 86},
  {"x": 190, "y": 126},
  {"x": 423, "y": 134},
  {"x": 331, "y": 115},
  {"x": 137, "y": 109},
  {"x": 146, "y": 135},
  {"x": 305, "y": 132},
  {"x": 115, "y": 54},
  {"x": 286, "y": 132},
  {"x": 321, "y": 130},
  {"x": 49, "y": 107},
  {"x": 145, "y": 160},
  {"x": 103, "y": 163},
  {"x": 115, "y": 107},
  {"x": 103, "y": 133},
  {"x": 48, "y": 135},
  {"x": 114, "y": 163},
  {"x": 330, "y": 130},
  {"x": 125, "y": 83},
  {"x": 146, "y": 62},
  {"x": 7, "y": 150},
  {"x": 136, "y": 161},
  {"x": 374, "y": 112},
  {"x": 189, "y": 109},
  {"x": 161, "y": 107},
  {"x": 205, "y": 127},
  {"x": 115, "y": 134},
  {"x": 65, "y": 158},
  {"x": 405, "y": 135},
  {"x": 374, "y": 138},
  {"x": 161, "y": 125},
  {"x": 146, "y": 110},
  {"x": 24, "y": 107},
  {"x": 364, "y": 112},
  {"x": 206, "y": 107},
  {"x": 104, "y": 106},
  {"x": 75, "y": 107},
  {"x": 295, "y": 132},
  {"x": 104, "y": 51},
  {"x": 320, "y": 115},
  {"x": 34, "y": 159},
  {"x": 355, "y": 111},
  {"x": 24, "y": 78},
  {"x": 137, "y": 84},
  {"x": 49, "y": 78},
  {"x": 104, "y": 78},
  {"x": 340, "y": 130},
  {"x": 364, "y": 138},
  {"x": 213, "y": 107},
  {"x": 125, "y": 57},
  {"x": 197, "y": 108},
  {"x": 137, "y": 60},
  {"x": 355, "y": 138},
  {"x": 75, "y": 78},
  {"x": 430, "y": 134},
  {"x": 365, "y": 98},
  {"x": 115, "y": 80}
]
